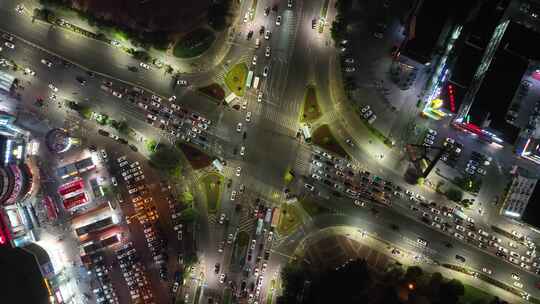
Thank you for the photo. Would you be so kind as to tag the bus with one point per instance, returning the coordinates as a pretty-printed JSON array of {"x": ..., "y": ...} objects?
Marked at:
[
  {"x": 75, "y": 201},
  {"x": 260, "y": 224},
  {"x": 249, "y": 79},
  {"x": 230, "y": 98},
  {"x": 256, "y": 82}
]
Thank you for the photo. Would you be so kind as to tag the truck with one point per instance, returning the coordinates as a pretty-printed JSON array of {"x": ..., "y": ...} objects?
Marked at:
[
  {"x": 218, "y": 165},
  {"x": 268, "y": 217},
  {"x": 306, "y": 131}
]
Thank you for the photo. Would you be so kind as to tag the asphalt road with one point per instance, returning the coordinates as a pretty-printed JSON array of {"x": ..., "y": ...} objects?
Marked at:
[{"x": 299, "y": 56}]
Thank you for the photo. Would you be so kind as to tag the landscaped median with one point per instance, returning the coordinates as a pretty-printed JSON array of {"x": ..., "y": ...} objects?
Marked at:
[
  {"x": 289, "y": 219},
  {"x": 312, "y": 208},
  {"x": 310, "y": 110},
  {"x": 240, "y": 248},
  {"x": 324, "y": 138},
  {"x": 213, "y": 186},
  {"x": 214, "y": 91},
  {"x": 194, "y": 43},
  {"x": 235, "y": 79}
]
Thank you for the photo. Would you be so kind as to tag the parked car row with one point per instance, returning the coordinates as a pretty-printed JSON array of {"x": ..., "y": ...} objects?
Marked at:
[
  {"x": 368, "y": 114},
  {"x": 104, "y": 291},
  {"x": 134, "y": 274}
]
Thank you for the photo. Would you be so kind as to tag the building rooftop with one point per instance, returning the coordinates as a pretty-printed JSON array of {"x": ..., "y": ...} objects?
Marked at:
[{"x": 466, "y": 65}]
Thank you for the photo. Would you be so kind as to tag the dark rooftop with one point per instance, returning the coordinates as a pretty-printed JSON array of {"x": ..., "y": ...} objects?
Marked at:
[{"x": 466, "y": 65}]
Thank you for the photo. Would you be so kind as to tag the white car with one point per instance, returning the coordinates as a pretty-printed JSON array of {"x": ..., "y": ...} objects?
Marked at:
[
  {"x": 156, "y": 98},
  {"x": 9, "y": 45},
  {"x": 515, "y": 276},
  {"x": 278, "y": 20},
  {"x": 350, "y": 69},
  {"x": 289, "y": 4},
  {"x": 172, "y": 98},
  {"x": 309, "y": 187},
  {"x": 267, "y": 34},
  {"x": 422, "y": 242},
  {"x": 265, "y": 71},
  {"x": 46, "y": 62},
  {"x": 259, "y": 97},
  {"x": 239, "y": 127},
  {"x": 349, "y": 60},
  {"x": 238, "y": 171},
  {"x": 243, "y": 150},
  {"x": 53, "y": 88},
  {"x": 487, "y": 270},
  {"x": 233, "y": 195},
  {"x": 518, "y": 284},
  {"x": 248, "y": 116},
  {"x": 254, "y": 62},
  {"x": 117, "y": 94},
  {"x": 175, "y": 287},
  {"x": 267, "y": 52},
  {"x": 222, "y": 278},
  {"x": 144, "y": 66},
  {"x": 365, "y": 109},
  {"x": 244, "y": 104}
]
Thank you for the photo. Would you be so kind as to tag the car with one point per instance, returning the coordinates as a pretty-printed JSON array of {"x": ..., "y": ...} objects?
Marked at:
[
  {"x": 222, "y": 277},
  {"x": 278, "y": 20},
  {"x": 239, "y": 127},
  {"x": 518, "y": 284},
  {"x": 175, "y": 287},
  {"x": 9, "y": 45},
  {"x": 267, "y": 51},
  {"x": 117, "y": 94},
  {"x": 515, "y": 276},
  {"x": 350, "y": 69},
  {"x": 53, "y": 88},
  {"x": 365, "y": 109},
  {"x": 422, "y": 242},
  {"x": 254, "y": 61},
  {"x": 372, "y": 119},
  {"x": 349, "y": 60},
  {"x": 248, "y": 116},
  {"x": 238, "y": 171},
  {"x": 242, "y": 150},
  {"x": 309, "y": 187},
  {"x": 172, "y": 98},
  {"x": 233, "y": 195},
  {"x": 144, "y": 66},
  {"x": 367, "y": 114},
  {"x": 103, "y": 153},
  {"x": 267, "y": 35},
  {"x": 29, "y": 72},
  {"x": 290, "y": 3},
  {"x": 259, "y": 97},
  {"x": 265, "y": 71},
  {"x": 378, "y": 35}
]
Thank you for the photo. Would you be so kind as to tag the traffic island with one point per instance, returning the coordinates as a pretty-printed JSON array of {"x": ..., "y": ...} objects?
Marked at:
[
  {"x": 311, "y": 110},
  {"x": 194, "y": 43},
  {"x": 240, "y": 248},
  {"x": 312, "y": 208},
  {"x": 213, "y": 186},
  {"x": 196, "y": 157},
  {"x": 235, "y": 79},
  {"x": 214, "y": 91},
  {"x": 289, "y": 219},
  {"x": 324, "y": 138}
]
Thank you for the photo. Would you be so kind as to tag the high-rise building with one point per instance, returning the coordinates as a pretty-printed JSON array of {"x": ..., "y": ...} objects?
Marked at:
[{"x": 517, "y": 196}]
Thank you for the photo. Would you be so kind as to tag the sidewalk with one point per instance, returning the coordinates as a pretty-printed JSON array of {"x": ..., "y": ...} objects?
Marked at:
[
  {"x": 405, "y": 257},
  {"x": 208, "y": 60}
]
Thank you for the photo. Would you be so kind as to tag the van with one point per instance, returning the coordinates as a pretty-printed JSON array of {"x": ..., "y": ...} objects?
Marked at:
[{"x": 257, "y": 43}]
